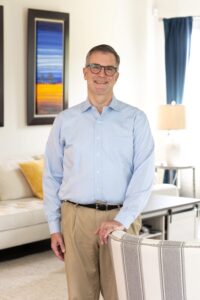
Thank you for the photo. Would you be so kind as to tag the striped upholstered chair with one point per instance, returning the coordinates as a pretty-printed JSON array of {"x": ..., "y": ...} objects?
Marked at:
[{"x": 147, "y": 269}]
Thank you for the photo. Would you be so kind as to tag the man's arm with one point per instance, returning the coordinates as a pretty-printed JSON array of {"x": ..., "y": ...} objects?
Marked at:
[
  {"x": 139, "y": 187},
  {"x": 52, "y": 179}
]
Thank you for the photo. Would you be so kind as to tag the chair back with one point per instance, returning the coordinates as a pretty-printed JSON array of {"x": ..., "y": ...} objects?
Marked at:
[{"x": 149, "y": 269}]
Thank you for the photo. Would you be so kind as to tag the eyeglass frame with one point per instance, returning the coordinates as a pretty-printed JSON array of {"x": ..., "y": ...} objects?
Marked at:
[{"x": 104, "y": 68}]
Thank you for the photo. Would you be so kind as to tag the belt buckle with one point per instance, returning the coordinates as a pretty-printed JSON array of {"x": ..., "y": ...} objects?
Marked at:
[{"x": 100, "y": 203}]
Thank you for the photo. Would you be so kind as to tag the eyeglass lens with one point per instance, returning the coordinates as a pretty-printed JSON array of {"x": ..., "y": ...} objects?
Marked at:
[{"x": 96, "y": 68}]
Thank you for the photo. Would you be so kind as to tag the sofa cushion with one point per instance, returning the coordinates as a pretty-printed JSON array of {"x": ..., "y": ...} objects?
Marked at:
[
  {"x": 165, "y": 189},
  {"x": 21, "y": 213},
  {"x": 13, "y": 185},
  {"x": 33, "y": 172}
]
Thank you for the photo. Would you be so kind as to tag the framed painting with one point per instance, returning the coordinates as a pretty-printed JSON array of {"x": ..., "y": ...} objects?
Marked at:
[
  {"x": 48, "y": 46},
  {"x": 1, "y": 70}
]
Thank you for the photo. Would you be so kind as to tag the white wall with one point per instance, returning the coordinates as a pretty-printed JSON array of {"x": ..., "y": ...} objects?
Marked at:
[
  {"x": 178, "y": 8},
  {"x": 123, "y": 24}
]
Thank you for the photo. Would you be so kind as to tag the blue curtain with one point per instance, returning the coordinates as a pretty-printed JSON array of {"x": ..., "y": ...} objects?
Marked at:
[
  {"x": 177, "y": 48},
  {"x": 178, "y": 33}
]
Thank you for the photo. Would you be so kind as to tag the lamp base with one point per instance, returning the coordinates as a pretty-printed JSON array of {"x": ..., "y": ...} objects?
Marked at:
[{"x": 173, "y": 154}]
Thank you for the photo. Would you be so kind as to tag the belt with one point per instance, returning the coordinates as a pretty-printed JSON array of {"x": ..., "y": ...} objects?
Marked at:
[{"x": 97, "y": 205}]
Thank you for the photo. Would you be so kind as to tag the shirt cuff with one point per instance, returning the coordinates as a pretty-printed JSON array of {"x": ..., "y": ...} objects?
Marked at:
[
  {"x": 54, "y": 227},
  {"x": 124, "y": 219}
]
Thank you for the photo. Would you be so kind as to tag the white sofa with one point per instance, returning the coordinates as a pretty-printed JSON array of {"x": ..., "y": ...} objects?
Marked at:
[
  {"x": 22, "y": 221},
  {"x": 22, "y": 218},
  {"x": 165, "y": 189}
]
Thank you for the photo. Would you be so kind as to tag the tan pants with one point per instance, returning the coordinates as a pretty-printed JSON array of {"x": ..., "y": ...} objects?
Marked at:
[{"x": 88, "y": 264}]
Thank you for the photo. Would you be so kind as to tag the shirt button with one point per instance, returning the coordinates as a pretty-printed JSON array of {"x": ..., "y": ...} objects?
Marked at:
[{"x": 98, "y": 172}]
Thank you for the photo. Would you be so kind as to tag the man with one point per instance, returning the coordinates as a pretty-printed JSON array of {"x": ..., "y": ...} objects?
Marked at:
[{"x": 99, "y": 169}]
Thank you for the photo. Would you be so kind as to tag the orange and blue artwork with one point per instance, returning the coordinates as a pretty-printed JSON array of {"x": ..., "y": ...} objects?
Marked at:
[{"x": 49, "y": 67}]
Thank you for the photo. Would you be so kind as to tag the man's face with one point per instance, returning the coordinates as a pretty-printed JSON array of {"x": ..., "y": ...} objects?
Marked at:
[{"x": 100, "y": 84}]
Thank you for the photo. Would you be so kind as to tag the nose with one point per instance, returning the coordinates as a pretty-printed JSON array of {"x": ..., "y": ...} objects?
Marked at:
[{"x": 102, "y": 72}]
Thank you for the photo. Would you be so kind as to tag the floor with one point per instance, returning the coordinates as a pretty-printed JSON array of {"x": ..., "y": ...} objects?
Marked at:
[{"x": 25, "y": 275}]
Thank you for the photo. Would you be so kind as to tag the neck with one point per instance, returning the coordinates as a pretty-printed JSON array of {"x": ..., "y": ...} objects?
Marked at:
[{"x": 100, "y": 101}]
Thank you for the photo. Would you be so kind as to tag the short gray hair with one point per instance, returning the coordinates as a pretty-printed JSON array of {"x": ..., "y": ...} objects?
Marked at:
[{"x": 103, "y": 48}]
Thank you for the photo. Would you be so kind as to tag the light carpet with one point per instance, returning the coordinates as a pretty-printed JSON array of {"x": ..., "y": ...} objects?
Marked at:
[
  {"x": 39, "y": 276},
  {"x": 35, "y": 277}
]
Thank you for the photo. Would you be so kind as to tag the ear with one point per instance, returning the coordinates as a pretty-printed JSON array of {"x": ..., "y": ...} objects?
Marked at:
[
  {"x": 116, "y": 76},
  {"x": 85, "y": 73}
]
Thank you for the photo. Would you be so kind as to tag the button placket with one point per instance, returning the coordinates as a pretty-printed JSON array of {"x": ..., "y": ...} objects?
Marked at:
[{"x": 97, "y": 165}]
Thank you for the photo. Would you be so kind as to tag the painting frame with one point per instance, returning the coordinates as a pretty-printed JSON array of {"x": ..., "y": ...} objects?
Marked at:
[
  {"x": 1, "y": 69},
  {"x": 47, "y": 69}
]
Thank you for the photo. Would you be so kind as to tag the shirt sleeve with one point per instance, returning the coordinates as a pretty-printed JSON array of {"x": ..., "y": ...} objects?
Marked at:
[
  {"x": 139, "y": 187},
  {"x": 53, "y": 174}
]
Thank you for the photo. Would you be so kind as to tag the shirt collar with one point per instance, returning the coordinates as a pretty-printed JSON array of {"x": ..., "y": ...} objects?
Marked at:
[
  {"x": 114, "y": 104},
  {"x": 85, "y": 105}
]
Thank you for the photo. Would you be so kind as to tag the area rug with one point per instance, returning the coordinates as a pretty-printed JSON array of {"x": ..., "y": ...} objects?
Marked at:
[{"x": 34, "y": 277}]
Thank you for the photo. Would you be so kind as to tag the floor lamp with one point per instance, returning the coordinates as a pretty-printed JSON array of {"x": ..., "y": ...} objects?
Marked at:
[{"x": 172, "y": 117}]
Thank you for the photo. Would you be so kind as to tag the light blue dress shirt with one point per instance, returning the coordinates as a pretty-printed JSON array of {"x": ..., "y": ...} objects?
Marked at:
[{"x": 91, "y": 156}]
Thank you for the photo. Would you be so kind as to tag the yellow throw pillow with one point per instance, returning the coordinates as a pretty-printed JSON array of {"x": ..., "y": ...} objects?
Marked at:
[{"x": 33, "y": 172}]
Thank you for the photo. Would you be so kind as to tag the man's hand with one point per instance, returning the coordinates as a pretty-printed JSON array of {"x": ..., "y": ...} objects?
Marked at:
[
  {"x": 106, "y": 228},
  {"x": 57, "y": 245}
]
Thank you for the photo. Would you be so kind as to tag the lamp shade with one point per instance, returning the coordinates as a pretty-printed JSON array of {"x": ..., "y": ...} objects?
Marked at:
[{"x": 171, "y": 117}]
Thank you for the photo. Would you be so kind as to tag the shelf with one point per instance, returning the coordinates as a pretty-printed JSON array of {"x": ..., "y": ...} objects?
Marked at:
[{"x": 156, "y": 226}]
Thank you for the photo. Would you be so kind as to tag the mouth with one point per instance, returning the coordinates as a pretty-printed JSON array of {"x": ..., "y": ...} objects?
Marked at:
[{"x": 100, "y": 82}]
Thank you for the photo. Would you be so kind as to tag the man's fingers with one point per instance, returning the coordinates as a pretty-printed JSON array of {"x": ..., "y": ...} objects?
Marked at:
[
  {"x": 58, "y": 253},
  {"x": 57, "y": 245},
  {"x": 62, "y": 246},
  {"x": 106, "y": 228},
  {"x": 103, "y": 234}
]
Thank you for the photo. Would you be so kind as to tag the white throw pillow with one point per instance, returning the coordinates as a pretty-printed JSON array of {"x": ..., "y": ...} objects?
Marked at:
[{"x": 13, "y": 184}]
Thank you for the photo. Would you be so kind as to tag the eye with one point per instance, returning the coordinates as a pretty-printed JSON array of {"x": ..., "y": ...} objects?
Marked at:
[
  {"x": 95, "y": 68},
  {"x": 110, "y": 70}
]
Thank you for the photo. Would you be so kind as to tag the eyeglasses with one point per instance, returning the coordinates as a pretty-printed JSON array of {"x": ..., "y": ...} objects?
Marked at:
[{"x": 108, "y": 70}]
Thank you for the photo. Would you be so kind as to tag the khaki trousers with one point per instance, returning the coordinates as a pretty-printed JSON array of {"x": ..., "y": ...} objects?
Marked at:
[{"x": 88, "y": 264}]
